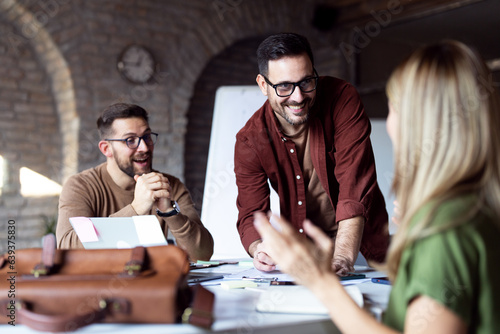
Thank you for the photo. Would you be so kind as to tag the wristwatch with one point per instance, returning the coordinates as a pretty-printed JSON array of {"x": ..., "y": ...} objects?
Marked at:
[{"x": 170, "y": 213}]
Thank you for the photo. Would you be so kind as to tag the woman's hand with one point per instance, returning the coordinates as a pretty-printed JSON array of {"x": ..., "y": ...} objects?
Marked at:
[{"x": 306, "y": 261}]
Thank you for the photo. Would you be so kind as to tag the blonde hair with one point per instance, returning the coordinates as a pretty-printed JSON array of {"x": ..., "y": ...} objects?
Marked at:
[{"x": 448, "y": 138}]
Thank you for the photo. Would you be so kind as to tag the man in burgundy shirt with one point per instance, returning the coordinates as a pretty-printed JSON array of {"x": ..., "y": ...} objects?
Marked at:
[{"x": 311, "y": 140}]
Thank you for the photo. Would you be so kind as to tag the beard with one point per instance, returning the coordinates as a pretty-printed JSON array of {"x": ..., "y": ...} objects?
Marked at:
[
  {"x": 293, "y": 118},
  {"x": 296, "y": 120},
  {"x": 131, "y": 169}
]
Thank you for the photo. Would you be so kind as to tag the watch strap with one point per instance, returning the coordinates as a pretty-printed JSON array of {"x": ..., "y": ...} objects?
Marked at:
[{"x": 170, "y": 213}]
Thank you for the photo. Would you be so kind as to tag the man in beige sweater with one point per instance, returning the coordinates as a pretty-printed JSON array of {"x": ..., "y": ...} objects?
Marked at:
[{"x": 126, "y": 185}]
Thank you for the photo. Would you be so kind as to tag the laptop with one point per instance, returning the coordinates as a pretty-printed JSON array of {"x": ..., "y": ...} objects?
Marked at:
[{"x": 118, "y": 232}]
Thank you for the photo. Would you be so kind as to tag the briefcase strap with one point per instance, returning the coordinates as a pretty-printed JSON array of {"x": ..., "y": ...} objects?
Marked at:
[
  {"x": 201, "y": 311},
  {"x": 48, "y": 256},
  {"x": 135, "y": 266}
]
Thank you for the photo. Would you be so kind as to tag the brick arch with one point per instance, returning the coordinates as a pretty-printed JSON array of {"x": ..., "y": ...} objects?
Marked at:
[
  {"x": 233, "y": 66},
  {"x": 60, "y": 78},
  {"x": 233, "y": 54}
]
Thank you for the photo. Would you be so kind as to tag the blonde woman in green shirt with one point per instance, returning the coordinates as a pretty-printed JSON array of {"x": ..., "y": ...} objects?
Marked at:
[{"x": 444, "y": 122}]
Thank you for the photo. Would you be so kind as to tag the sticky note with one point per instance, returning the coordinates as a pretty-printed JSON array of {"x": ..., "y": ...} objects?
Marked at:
[{"x": 84, "y": 229}]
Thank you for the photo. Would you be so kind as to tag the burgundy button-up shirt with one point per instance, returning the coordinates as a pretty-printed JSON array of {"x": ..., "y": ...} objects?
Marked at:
[{"x": 341, "y": 154}]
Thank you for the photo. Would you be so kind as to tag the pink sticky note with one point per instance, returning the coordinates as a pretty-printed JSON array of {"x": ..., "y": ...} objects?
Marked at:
[{"x": 84, "y": 229}]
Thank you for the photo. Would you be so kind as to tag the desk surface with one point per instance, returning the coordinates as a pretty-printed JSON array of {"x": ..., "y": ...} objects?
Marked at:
[{"x": 235, "y": 310}]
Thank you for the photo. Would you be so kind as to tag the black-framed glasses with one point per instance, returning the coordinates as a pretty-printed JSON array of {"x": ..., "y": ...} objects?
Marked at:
[
  {"x": 133, "y": 142},
  {"x": 287, "y": 88}
]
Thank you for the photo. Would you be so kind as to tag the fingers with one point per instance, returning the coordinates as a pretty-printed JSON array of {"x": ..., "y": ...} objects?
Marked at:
[
  {"x": 156, "y": 184},
  {"x": 154, "y": 181},
  {"x": 263, "y": 266},
  {"x": 396, "y": 214},
  {"x": 342, "y": 266},
  {"x": 297, "y": 256},
  {"x": 150, "y": 188},
  {"x": 286, "y": 228},
  {"x": 274, "y": 240},
  {"x": 263, "y": 262}
]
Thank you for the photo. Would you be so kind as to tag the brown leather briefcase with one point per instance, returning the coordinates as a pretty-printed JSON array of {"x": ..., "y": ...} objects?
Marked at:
[{"x": 62, "y": 290}]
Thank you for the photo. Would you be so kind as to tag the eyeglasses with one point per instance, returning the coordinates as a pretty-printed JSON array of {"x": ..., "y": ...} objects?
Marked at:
[
  {"x": 133, "y": 142},
  {"x": 287, "y": 88}
]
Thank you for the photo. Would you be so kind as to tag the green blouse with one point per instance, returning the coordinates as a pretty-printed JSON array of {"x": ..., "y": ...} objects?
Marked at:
[{"x": 459, "y": 268}]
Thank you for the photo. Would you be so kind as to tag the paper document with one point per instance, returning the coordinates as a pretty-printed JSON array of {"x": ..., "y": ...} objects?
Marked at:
[{"x": 298, "y": 299}]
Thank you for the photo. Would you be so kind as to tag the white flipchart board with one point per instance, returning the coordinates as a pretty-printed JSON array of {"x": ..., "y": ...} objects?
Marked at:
[{"x": 233, "y": 107}]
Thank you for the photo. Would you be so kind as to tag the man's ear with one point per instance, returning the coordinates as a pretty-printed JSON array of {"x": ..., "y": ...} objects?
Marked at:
[
  {"x": 105, "y": 148},
  {"x": 262, "y": 84}
]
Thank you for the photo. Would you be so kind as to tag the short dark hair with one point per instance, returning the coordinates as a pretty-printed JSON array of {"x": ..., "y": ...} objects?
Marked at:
[
  {"x": 281, "y": 45},
  {"x": 115, "y": 111}
]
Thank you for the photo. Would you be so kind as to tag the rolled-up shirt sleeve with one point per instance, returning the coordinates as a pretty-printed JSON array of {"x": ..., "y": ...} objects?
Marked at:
[
  {"x": 359, "y": 193},
  {"x": 355, "y": 164}
]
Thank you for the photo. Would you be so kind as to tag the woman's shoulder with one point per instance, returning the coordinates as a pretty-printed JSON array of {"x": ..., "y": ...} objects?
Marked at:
[{"x": 459, "y": 226}]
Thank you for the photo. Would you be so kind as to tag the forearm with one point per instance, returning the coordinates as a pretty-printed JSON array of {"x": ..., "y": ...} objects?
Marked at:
[
  {"x": 348, "y": 240},
  {"x": 253, "y": 247},
  {"x": 127, "y": 211},
  {"x": 345, "y": 313},
  {"x": 192, "y": 236}
]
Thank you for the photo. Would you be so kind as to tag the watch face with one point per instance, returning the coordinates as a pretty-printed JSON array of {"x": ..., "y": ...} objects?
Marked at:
[{"x": 136, "y": 64}]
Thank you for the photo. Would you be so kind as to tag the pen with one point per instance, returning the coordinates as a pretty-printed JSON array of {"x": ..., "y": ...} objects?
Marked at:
[{"x": 260, "y": 279}]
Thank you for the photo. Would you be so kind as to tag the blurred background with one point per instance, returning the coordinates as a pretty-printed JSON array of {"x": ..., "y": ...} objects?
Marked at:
[{"x": 59, "y": 69}]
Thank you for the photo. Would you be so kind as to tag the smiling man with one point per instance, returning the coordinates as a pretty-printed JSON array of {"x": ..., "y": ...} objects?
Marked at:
[
  {"x": 126, "y": 185},
  {"x": 311, "y": 140}
]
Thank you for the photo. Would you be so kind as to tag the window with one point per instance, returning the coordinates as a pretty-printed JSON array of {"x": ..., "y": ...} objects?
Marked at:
[
  {"x": 34, "y": 184},
  {"x": 3, "y": 173}
]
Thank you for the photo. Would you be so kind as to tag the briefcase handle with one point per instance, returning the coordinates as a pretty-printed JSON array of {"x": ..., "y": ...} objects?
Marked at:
[
  {"x": 68, "y": 323},
  {"x": 198, "y": 314}
]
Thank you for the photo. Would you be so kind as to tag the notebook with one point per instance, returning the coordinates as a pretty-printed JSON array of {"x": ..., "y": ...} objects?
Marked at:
[{"x": 118, "y": 232}]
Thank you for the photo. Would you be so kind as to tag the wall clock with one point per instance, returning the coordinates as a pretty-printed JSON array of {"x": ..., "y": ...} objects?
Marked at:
[{"x": 136, "y": 64}]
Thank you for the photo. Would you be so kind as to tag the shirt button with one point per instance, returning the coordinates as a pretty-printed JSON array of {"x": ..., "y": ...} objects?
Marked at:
[
  {"x": 300, "y": 203},
  {"x": 301, "y": 231},
  {"x": 292, "y": 150},
  {"x": 298, "y": 177}
]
